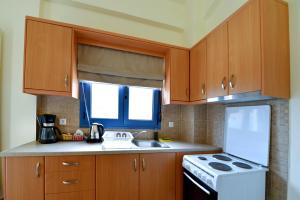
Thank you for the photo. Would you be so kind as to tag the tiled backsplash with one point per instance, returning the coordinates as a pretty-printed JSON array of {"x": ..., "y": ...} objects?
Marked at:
[
  {"x": 66, "y": 107},
  {"x": 199, "y": 124}
]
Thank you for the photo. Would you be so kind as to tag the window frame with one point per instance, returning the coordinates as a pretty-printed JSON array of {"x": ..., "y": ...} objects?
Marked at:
[{"x": 123, "y": 120}]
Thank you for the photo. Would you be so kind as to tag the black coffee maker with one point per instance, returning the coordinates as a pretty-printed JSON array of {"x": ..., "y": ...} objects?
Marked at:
[{"x": 48, "y": 133}]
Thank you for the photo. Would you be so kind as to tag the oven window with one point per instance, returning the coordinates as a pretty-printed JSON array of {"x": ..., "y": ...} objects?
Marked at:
[{"x": 192, "y": 191}]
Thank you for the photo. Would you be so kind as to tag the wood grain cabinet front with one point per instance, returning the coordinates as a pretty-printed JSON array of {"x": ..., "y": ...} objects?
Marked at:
[
  {"x": 249, "y": 52},
  {"x": 198, "y": 65},
  {"x": 49, "y": 59},
  {"x": 117, "y": 177},
  {"x": 176, "y": 85},
  {"x": 157, "y": 176},
  {"x": 66, "y": 174},
  {"x": 24, "y": 178},
  {"x": 82, "y": 195}
]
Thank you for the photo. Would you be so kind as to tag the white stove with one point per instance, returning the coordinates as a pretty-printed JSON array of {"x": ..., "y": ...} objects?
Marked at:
[{"x": 240, "y": 173}]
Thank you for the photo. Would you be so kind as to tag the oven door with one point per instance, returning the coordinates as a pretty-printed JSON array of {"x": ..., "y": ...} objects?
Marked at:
[{"x": 194, "y": 189}]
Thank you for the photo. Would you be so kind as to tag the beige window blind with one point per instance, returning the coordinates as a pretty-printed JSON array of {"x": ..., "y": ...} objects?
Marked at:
[{"x": 119, "y": 67}]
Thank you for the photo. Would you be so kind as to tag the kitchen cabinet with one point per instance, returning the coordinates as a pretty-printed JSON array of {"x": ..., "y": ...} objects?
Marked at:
[
  {"x": 217, "y": 62},
  {"x": 49, "y": 64},
  {"x": 244, "y": 50},
  {"x": 24, "y": 178},
  {"x": 198, "y": 72},
  {"x": 84, "y": 195},
  {"x": 176, "y": 84},
  {"x": 157, "y": 176},
  {"x": 249, "y": 52},
  {"x": 117, "y": 177},
  {"x": 66, "y": 176}
]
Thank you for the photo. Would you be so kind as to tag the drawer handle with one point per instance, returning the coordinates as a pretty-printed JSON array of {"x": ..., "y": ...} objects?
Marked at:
[
  {"x": 70, "y": 164},
  {"x": 70, "y": 182}
]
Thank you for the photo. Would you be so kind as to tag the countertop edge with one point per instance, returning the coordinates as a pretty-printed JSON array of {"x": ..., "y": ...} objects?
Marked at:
[{"x": 33, "y": 150}]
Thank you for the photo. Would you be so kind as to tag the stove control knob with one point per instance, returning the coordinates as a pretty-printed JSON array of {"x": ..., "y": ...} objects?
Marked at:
[
  {"x": 199, "y": 175},
  {"x": 209, "y": 182},
  {"x": 204, "y": 178},
  {"x": 187, "y": 166},
  {"x": 195, "y": 172}
]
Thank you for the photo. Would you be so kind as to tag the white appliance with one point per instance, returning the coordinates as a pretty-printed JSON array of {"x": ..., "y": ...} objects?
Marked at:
[{"x": 240, "y": 172}]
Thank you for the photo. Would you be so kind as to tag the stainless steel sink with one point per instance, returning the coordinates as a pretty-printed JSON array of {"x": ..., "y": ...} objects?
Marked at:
[{"x": 149, "y": 144}]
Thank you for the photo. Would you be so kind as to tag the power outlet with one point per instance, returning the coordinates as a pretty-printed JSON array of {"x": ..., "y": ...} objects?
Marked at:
[
  {"x": 171, "y": 124},
  {"x": 63, "y": 121}
]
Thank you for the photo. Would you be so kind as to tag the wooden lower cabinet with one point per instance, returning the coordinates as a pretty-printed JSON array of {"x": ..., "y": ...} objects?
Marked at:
[
  {"x": 24, "y": 178},
  {"x": 83, "y": 195},
  {"x": 157, "y": 176},
  {"x": 117, "y": 177}
]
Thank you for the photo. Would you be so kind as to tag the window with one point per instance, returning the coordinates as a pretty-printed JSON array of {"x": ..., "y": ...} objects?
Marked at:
[{"x": 118, "y": 106}]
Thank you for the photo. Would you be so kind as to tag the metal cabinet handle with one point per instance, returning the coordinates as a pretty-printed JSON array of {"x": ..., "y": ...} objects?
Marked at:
[
  {"x": 70, "y": 182},
  {"x": 203, "y": 89},
  {"x": 66, "y": 81},
  {"x": 223, "y": 84},
  {"x": 231, "y": 82},
  {"x": 70, "y": 164},
  {"x": 37, "y": 169},
  {"x": 143, "y": 164},
  {"x": 187, "y": 92},
  {"x": 135, "y": 165}
]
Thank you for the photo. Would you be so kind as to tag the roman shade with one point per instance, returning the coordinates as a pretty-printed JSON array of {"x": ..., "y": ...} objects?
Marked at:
[{"x": 120, "y": 67}]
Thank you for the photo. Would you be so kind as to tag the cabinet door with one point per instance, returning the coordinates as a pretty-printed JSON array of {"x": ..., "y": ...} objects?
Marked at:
[
  {"x": 179, "y": 75},
  {"x": 24, "y": 178},
  {"x": 198, "y": 72},
  {"x": 157, "y": 176},
  {"x": 117, "y": 177},
  {"x": 217, "y": 62},
  {"x": 48, "y": 57},
  {"x": 244, "y": 50}
]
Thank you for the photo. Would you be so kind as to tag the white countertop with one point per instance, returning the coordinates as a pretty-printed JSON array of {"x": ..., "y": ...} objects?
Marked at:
[{"x": 82, "y": 148}]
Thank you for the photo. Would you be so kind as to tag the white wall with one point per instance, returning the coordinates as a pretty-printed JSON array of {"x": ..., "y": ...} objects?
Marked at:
[
  {"x": 205, "y": 15},
  {"x": 294, "y": 163},
  {"x": 17, "y": 109},
  {"x": 158, "y": 20}
]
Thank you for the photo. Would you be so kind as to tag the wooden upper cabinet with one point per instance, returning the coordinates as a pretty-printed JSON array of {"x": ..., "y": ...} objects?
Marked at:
[
  {"x": 176, "y": 86},
  {"x": 244, "y": 50},
  {"x": 217, "y": 62},
  {"x": 275, "y": 48},
  {"x": 157, "y": 176},
  {"x": 24, "y": 178},
  {"x": 117, "y": 177},
  {"x": 49, "y": 59},
  {"x": 198, "y": 72}
]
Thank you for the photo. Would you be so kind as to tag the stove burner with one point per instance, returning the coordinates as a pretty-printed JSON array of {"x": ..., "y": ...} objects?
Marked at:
[
  {"x": 242, "y": 165},
  {"x": 202, "y": 158},
  {"x": 220, "y": 166},
  {"x": 222, "y": 157}
]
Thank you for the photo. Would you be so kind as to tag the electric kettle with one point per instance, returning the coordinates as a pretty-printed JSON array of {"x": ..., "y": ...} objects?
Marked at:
[{"x": 96, "y": 133}]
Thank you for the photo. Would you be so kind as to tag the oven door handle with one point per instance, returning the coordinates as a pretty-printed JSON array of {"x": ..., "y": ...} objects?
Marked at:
[{"x": 197, "y": 184}]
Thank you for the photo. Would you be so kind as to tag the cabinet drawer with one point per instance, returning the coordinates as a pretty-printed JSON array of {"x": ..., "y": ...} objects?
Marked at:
[
  {"x": 83, "y": 195},
  {"x": 72, "y": 181},
  {"x": 69, "y": 163}
]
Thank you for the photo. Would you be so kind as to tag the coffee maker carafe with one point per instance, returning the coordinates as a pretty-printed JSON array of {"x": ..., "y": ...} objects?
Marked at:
[{"x": 48, "y": 133}]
